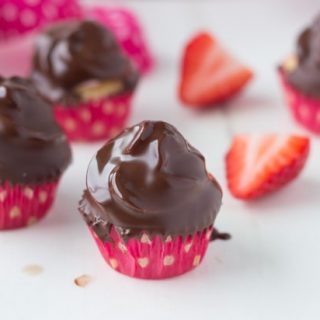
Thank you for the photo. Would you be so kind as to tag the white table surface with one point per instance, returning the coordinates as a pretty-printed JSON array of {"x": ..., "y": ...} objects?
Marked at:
[{"x": 269, "y": 270}]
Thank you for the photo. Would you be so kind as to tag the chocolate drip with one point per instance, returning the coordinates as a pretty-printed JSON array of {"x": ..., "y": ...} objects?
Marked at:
[
  {"x": 74, "y": 53},
  {"x": 217, "y": 235},
  {"x": 306, "y": 76},
  {"x": 33, "y": 148},
  {"x": 149, "y": 178}
]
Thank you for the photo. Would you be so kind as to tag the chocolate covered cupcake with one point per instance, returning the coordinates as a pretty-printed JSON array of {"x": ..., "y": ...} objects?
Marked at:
[
  {"x": 34, "y": 152},
  {"x": 300, "y": 75},
  {"x": 79, "y": 67},
  {"x": 150, "y": 203}
]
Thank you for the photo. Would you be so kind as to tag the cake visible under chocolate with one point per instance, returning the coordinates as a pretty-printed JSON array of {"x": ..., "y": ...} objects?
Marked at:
[
  {"x": 33, "y": 148},
  {"x": 149, "y": 179},
  {"x": 75, "y": 54},
  {"x": 306, "y": 75}
]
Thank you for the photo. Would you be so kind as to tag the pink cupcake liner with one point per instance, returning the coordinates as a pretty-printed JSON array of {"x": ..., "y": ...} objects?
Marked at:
[
  {"x": 20, "y": 16},
  {"x": 306, "y": 110},
  {"x": 128, "y": 31},
  {"x": 148, "y": 258},
  {"x": 16, "y": 56},
  {"x": 95, "y": 120},
  {"x": 22, "y": 205}
]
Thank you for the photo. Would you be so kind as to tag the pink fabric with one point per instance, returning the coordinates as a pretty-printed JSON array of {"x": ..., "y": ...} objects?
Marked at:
[
  {"x": 153, "y": 258},
  {"x": 96, "y": 120},
  {"x": 127, "y": 29},
  {"x": 22, "y": 205},
  {"x": 306, "y": 110},
  {"x": 20, "y": 16}
]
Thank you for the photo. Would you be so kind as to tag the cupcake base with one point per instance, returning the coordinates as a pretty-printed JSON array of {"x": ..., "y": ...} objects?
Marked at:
[
  {"x": 306, "y": 110},
  {"x": 23, "y": 205},
  {"x": 94, "y": 120},
  {"x": 148, "y": 258}
]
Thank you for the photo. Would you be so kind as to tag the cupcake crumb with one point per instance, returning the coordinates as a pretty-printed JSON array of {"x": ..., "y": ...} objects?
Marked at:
[
  {"x": 33, "y": 269},
  {"x": 83, "y": 281}
]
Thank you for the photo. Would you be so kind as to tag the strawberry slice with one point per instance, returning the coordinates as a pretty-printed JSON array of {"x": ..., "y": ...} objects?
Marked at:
[
  {"x": 257, "y": 165},
  {"x": 209, "y": 74}
]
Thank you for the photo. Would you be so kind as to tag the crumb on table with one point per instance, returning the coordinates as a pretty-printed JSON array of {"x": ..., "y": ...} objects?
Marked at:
[
  {"x": 83, "y": 281},
  {"x": 33, "y": 269}
]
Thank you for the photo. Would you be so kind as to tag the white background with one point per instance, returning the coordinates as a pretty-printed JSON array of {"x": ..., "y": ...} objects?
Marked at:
[{"x": 269, "y": 270}]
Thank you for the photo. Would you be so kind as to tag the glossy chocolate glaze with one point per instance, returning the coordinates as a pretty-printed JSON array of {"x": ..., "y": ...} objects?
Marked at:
[
  {"x": 33, "y": 148},
  {"x": 149, "y": 178},
  {"x": 74, "y": 53},
  {"x": 306, "y": 76}
]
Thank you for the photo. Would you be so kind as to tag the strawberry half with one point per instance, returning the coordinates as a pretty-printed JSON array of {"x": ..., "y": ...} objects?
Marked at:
[
  {"x": 257, "y": 165},
  {"x": 209, "y": 74}
]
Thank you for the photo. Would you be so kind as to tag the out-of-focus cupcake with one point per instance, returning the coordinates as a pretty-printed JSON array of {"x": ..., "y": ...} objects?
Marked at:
[
  {"x": 300, "y": 77},
  {"x": 79, "y": 67},
  {"x": 150, "y": 203},
  {"x": 34, "y": 152},
  {"x": 18, "y": 17}
]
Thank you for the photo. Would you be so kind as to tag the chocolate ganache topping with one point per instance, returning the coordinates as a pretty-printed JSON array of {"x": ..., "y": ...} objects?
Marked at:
[
  {"x": 71, "y": 54},
  {"x": 306, "y": 75},
  {"x": 33, "y": 148},
  {"x": 149, "y": 178}
]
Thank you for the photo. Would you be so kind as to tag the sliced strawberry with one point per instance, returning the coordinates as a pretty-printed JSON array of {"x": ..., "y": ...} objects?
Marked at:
[
  {"x": 257, "y": 165},
  {"x": 209, "y": 74}
]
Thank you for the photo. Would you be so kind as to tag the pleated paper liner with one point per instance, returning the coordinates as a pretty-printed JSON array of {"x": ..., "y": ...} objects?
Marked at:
[
  {"x": 305, "y": 110},
  {"x": 154, "y": 258},
  {"x": 94, "y": 120},
  {"x": 21, "y": 16},
  {"x": 22, "y": 205}
]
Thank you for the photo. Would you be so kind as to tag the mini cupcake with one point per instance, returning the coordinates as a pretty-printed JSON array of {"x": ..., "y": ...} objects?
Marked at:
[
  {"x": 18, "y": 17},
  {"x": 79, "y": 67},
  {"x": 150, "y": 204},
  {"x": 34, "y": 154},
  {"x": 300, "y": 76}
]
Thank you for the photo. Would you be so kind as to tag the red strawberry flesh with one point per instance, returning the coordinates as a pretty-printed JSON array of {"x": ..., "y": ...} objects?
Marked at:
[
  {"x": 209, "y": 74},
  {"x": 257, "y": 165}
]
